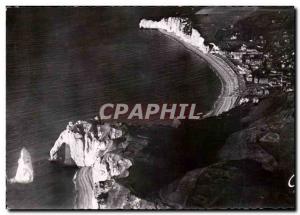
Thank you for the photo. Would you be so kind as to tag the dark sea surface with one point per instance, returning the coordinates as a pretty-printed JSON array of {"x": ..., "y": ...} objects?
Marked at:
[{"x": 63, "y": 63}]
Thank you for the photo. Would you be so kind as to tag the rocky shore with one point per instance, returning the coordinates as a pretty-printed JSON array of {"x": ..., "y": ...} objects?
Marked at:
[
  {"x": 103, "y": 152},
  {"x": 96, "y": 148}
]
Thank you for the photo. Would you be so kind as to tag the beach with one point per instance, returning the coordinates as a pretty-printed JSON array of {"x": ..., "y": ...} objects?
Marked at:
[{"x": 229, "y": 80}]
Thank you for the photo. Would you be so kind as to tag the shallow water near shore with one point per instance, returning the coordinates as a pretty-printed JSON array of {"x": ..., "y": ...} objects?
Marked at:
[{"x": 63, "y": 64}]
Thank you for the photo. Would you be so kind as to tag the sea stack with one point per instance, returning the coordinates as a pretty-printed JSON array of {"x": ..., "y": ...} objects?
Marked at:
[{"x": 24, "y": 174}]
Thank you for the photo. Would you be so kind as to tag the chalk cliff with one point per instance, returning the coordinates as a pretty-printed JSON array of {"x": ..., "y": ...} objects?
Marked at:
[
  {"x": 84, "y": 142},
  {"x": 98, "y": 150},
  {"x": 181, "y": 27}
]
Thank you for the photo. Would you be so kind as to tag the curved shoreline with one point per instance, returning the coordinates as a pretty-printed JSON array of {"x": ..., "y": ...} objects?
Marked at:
[{"x": 229, "y": 81}]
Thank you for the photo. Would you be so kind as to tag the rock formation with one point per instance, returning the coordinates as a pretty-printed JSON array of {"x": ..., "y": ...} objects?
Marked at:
[
  {"x": 24, "y": 174},
  {"x": 97, "y": 149},
  {"x": 84, "y": 142},
  {"x": 120, "y": 197},
  {"x": 181, "y": 27}
]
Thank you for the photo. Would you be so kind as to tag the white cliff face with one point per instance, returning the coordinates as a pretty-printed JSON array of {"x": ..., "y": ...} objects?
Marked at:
[
  {"x": 75, "y": 143},
  {"x": 24, "y": 174},
  {"x": 98, "y": 150},
  {"x": 85, "y": 147},
  {"x": 176, "y": 26}
]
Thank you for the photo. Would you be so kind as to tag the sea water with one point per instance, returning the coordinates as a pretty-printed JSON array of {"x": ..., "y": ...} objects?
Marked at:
[{"x": 63, "y": 63}]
